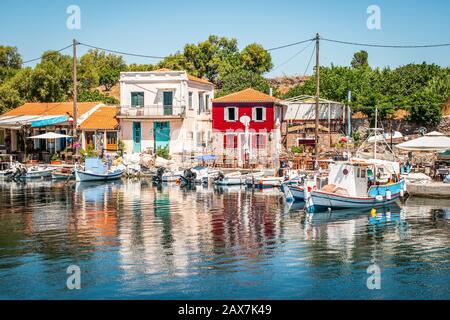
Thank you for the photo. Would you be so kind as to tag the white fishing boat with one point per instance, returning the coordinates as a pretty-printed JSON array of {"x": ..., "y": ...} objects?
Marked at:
[
  {"x": 171, "y": 176},
  {"x": 263, "y": 179},
  {"x": 96, "y": 170},
  {"x": 199, "y": 174},
  {"x": 63, "y": 174},
  {"x": 358, "y": 183},
  {"x": 230, "y": 179}
]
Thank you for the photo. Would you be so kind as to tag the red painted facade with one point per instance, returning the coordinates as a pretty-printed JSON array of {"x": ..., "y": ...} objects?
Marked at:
[{"x": 244, "y": 108}]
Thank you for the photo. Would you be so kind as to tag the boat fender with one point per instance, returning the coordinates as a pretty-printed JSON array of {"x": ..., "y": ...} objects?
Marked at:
[
  {"x": 373, "y": 212},
  {"x": 388, "y": 195},
  {"x": 402, "y": 193},
  {"x": 379, "y": 198}
]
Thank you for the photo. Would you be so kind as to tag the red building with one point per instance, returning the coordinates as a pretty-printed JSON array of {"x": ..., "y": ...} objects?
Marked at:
[{"x": 264, "y": 139}]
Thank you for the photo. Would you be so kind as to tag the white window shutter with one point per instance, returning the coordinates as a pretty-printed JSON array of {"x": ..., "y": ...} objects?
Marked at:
[
  {"x": 264, "y": 114},
  {"x": 254, "y": 114},
  {"x": 225, "y": 114}
]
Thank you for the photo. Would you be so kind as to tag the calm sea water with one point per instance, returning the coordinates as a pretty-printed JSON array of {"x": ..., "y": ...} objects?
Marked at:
[{"x": 135, "y": 240}]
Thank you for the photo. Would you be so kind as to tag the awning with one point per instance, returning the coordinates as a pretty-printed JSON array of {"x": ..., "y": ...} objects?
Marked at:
[
  {"x": 431, "y": 142},
  {"x": 16, "y": 122},
  {"x": 48, "y": 121},
  {"x": 50, "y": 136},
  {"x": 207, "y": 157}
]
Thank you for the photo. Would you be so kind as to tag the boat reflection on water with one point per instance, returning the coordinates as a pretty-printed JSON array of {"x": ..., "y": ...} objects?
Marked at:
[
  {"x": 134, "y": 239},
  {"x": 344, "y": 224}
]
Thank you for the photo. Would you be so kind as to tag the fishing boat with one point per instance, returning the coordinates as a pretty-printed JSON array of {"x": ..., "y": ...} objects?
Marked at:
[
  {"x": 96, "y": 170},
  {"x": 20, "y": 171},
  {"x": 199, "y": 174},
  {"x": 171, "y": 176},
  {"x": 63, "y": 174},
  {"x": 230, "y": 179},
  {"x": 263, "y": 179},
  {"x": 358, "y": 183}
]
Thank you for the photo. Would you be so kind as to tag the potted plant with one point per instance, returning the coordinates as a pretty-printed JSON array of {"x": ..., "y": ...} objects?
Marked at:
[{"x": 55, "y": 159}]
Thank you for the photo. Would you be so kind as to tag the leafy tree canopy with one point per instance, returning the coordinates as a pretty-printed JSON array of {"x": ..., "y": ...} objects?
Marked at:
[
  {"x": 413, "y": 87},
  {"x": 241, "y": 80}
]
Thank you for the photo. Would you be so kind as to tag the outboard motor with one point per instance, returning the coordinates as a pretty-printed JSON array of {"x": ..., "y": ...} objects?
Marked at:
[
  {"x": 159, "y": 173},
  {"x": 188, "y": 176},
  {"x": 220, "y": 176}
]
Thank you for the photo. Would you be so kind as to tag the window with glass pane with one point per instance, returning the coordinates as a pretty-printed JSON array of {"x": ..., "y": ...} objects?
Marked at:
[
  {"x": 231, "y": 114},
  {"x": 2, "y": 137},
  {"x": 191, "y": 97},
  {"x": 258, "y": 114},
  {"x": 168, "y": 102},
  {"x": 111, "y": 137},
  {"x": 207, "y": 102},
  {"x": 137, "y": 99}
]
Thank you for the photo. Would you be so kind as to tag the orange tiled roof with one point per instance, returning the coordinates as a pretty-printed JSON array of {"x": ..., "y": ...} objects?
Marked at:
[
  {"x": 247, "y": 95},
  {"x": 190, "y": 77},
  {"x": 50, "y": 109},
  {"x": 103, "y": 118}
]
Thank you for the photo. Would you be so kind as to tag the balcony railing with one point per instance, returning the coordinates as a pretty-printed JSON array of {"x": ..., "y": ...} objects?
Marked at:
[{"x": 152, "y": 111}]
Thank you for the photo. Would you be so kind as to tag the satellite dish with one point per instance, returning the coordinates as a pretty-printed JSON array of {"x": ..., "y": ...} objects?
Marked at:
[{"x": 245, "y": 120}]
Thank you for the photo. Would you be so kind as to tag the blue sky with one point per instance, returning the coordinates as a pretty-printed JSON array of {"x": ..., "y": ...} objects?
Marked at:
[{"x": 156, "y": 27}]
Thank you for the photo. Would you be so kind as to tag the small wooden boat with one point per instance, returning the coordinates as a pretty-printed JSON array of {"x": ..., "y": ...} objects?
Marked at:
[
  {"x": 171, "y": 176},
  {"x": 81, "y": 176},
  {"x": 36, "y": 172},
  {"x": 355, "y": 184},
  {"x": 96, "y": 170},
  {"x": 263, "y": 180},
  {"x": 230, "y": 179},
  {"x": 63, "y": 174}
]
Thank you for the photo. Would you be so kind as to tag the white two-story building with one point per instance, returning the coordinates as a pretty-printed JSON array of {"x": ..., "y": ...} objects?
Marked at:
[{"x": 165, "y": 109}]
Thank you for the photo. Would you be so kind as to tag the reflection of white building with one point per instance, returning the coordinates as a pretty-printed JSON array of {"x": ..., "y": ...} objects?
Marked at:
[{"x": 165, "y": 109}]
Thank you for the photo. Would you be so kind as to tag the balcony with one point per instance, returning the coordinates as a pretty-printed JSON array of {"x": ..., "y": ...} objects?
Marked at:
[{"x": 152, "y": 111}]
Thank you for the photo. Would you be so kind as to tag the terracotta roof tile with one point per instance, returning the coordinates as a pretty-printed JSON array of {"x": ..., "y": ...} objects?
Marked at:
[
  {"x": 50, "y": 109},
  {"x": 246, "y": 95},
  {"x": 103, "y": 118}
]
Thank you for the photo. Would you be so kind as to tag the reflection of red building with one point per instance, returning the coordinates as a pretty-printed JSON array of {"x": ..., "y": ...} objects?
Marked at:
[{"x": 265, "y": 113}]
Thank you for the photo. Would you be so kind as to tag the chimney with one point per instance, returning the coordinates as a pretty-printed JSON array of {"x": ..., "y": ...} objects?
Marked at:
[{"x": 270, "y": 91}]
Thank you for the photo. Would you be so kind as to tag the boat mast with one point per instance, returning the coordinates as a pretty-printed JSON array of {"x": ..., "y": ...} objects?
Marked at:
[{"x": 316, "y": 131}]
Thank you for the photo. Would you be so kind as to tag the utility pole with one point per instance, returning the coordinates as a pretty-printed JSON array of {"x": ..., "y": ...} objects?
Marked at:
[
  {"x": 376, "y": 133},
  {"x": 75, "y": 108},
  {"x": 316, "y": 151}
]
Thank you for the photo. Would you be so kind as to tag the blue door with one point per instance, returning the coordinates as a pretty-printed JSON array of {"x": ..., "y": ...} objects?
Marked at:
[
  {"x": 161, "y": 134},
  {"x": 137, "y": 137}
]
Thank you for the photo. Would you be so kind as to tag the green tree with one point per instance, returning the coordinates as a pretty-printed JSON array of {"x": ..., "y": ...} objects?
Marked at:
[
  {"x": 425, "y": 108},
  {"x": 9, "y": 98},
  {"x": 10, "y": 62},
  {"x": 141, "y": 67},
  {"x": 217, "y": 57},
  {"x": 255, "y": 58},
  {"x": 360, "y": 59},
  {"x": 97, "y": 96},
  {"x": 107, "y": 66},
  {"x": 243, "y": 79},
  {"x": 52, "y": 78}
]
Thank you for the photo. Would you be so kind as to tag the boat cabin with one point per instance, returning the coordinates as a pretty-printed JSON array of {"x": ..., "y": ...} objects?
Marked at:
[{"x": 355, "y": 178}]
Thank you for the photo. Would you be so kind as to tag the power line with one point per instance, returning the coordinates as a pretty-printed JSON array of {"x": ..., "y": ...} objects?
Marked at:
[
  {"x": 120, "y": 52},
  {"x": 388, "y": 46},
  {"x": 53, "y": 52},
  {"x": 290, "y": 45},
  {"x": 309, "y": 62},
  {"x": 291, "y": 58}
]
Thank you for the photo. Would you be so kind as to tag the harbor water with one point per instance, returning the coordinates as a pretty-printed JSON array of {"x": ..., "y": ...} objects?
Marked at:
[{"x": 135, "y": 240}]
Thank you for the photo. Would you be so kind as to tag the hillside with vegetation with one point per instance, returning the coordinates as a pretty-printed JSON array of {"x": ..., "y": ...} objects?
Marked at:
[{"x": 419, "y": 91}]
